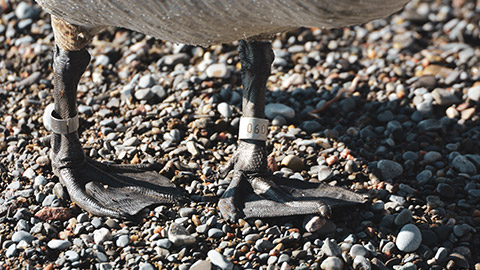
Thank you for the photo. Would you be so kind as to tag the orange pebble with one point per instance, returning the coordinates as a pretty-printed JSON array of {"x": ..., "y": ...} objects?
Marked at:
[{"x": 331, "y": 160}]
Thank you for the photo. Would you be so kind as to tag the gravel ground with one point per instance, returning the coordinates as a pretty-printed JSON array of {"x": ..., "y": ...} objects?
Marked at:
[{"x": 404, "y": 130}]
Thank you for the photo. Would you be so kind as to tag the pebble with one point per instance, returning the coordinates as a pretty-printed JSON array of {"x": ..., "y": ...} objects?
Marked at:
[
  {"x": 358, "y": 250},
  {"x": 219, "y": 260},
  {"x": 72, "y": 255},
  {"x": 474, "y": 93},
  {"x": 22, "y": 236},
  {"x": 409, "y": 238},
  {"x": 123, "y": 241},
  {"x": 215, "y": 233},
  {"x": 403, "y": 217},
  {"x": 330, "y": 248},
  {"x": 332, "y": 263},
  {"x": 101, "y": 235},
  {"x": 25, "y": 11},
  {"x": 390, "y": 169},
  {"x": 424, "y": 176},
  {"x": 360, "y": 262},
  {"x": 293, "y": 162},
  {"x": 314, "y": 224},
  {"x": 58, "y": 244},
  {"x": 463, "y": 165},
  {"x": 225, "y": 110},
  {"x": 218, "y": 71},
  {"x": 144, "y": 94},
  {"x": 201, "y": 265},
  {"x": 146, "y": 81},
  {"x": 273, "y": 110},
  {"x": 179, "y": 236},
  {"x": 11, "y": 251}
]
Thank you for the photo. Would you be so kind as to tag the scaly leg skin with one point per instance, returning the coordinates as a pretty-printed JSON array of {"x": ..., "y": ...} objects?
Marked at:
[
  {"x": 254, "y": 191},
  {"x": 108, "y": 190}
]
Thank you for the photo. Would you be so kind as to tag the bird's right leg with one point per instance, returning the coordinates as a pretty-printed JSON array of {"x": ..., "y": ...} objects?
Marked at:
[{"x": 109, "y": 190}]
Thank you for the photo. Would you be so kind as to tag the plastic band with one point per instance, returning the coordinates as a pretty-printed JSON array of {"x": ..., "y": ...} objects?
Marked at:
[
  {"x": 253, "y": 128},
  {"x": 61, "y": 126}
]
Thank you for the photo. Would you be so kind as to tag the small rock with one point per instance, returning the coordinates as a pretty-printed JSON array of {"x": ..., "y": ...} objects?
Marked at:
[
  {"x": 179, "y": 236},
  {"x": 358, "y": 250},
  {"x": 474, "y": 93},
  {"x": 146, "y": 81},
  {"x": 101, "y": 235},
  {"x": 390, "y": 169},
  {"x": 219, "y": 260},
  {"x": 58, "y": 244},
  {"x": 331, "y": 248},
  {"x": 444, "y": 97},
  {"x": 332, "y": 263},
  {"x": 54, "y": 213},
  {"x": 273, "y": 110},
  {"x": 215, "y": 233},
  {"x": 218, "y": 71},
  {"x": 424, "y": 176},
  {"x": 404, "y": 217},
  {"x": 224, "y": 109},
  {"x": 409, "y": 238},
  {"x": 72, "y": 255},
  {"x": 144, "y": 94},
  {"x": 360, "y": 262},
  {"x": 25, "y": 11},
  {"x": 315, "y": 223},
  {"x": 201, "y": 265},
  {"x": 408, "y": 266},
  {"x": 123, "y": 241},
  {"x": 11, "y": 251},
  {"x": 441, "y": 254},
  {"x": 463, "y": 165},
  {"x": 293, "y": 162},
  {"x": 22, "y": 236}
]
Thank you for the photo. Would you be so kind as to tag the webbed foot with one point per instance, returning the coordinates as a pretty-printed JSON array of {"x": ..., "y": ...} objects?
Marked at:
[{"x": 256, "y": 192}]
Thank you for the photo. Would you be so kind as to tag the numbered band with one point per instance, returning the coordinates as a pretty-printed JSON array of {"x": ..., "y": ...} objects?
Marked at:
[{"x": 253, "y": 128}]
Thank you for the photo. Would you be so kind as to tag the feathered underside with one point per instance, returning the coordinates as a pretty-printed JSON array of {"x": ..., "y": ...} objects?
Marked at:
[{"x": 205, "y": 22}]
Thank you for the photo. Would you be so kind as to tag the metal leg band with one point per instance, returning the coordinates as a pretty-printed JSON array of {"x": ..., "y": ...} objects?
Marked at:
[
  {"x": 61, "y": 126},
  {"x": 253, "y": 128}
]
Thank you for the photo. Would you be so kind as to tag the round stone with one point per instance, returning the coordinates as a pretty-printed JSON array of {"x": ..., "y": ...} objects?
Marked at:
[
  {"x": 403, "y": 217},
  {"x": 293, "y": 162},
  {"x": 59, "y": 244},
  {"x": 219, "y": 260},
  {"x": 101, "y": 235},
  {"x": 358, "y": 250},
  {"x": 224, "y": 109},
  {"x": 463, "y": 165},
  {"x": 179, "y": 236},
  {"x": 22, "y": 236},
  {"x": 390, "y": 169},
  {"x": 332, "y": 263},
  {"x": 218, "y": 71},
  {"x": 123, "y": 240},
  {"x": 72, "y": 255},
  {"x": 409, "y": 238},
  {"x": 273, "y": 110}
]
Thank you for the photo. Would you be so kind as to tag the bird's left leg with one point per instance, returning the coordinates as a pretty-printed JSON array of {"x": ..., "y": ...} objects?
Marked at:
[{"x": 254, "y": 191}]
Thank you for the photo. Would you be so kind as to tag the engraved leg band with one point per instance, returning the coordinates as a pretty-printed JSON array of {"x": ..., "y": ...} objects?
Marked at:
[
  {"x": 253, "y": 128},
  {"x": 66, "y": 126}
]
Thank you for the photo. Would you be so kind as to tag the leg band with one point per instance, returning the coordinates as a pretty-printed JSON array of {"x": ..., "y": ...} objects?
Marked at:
[
  {"x": 253, "y": 128},
  {"x": 60, "y": 126}
]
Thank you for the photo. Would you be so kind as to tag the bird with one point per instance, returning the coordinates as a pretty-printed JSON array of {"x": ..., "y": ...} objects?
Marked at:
[{"x": 124, "y": 190}]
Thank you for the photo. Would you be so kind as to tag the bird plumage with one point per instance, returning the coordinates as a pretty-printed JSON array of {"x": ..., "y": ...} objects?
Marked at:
[{"x": 205, "y": 22}]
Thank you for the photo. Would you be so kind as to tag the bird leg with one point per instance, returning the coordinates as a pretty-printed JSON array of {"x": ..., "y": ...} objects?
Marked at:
[
  {"x": 255, "y": 191},
  {"x": 101, "y": 189}
]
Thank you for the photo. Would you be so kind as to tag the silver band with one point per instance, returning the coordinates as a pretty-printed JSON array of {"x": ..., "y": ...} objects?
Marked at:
[
  {"x": 66, "y": 126},
  {"x": 253, "y": 128}
]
